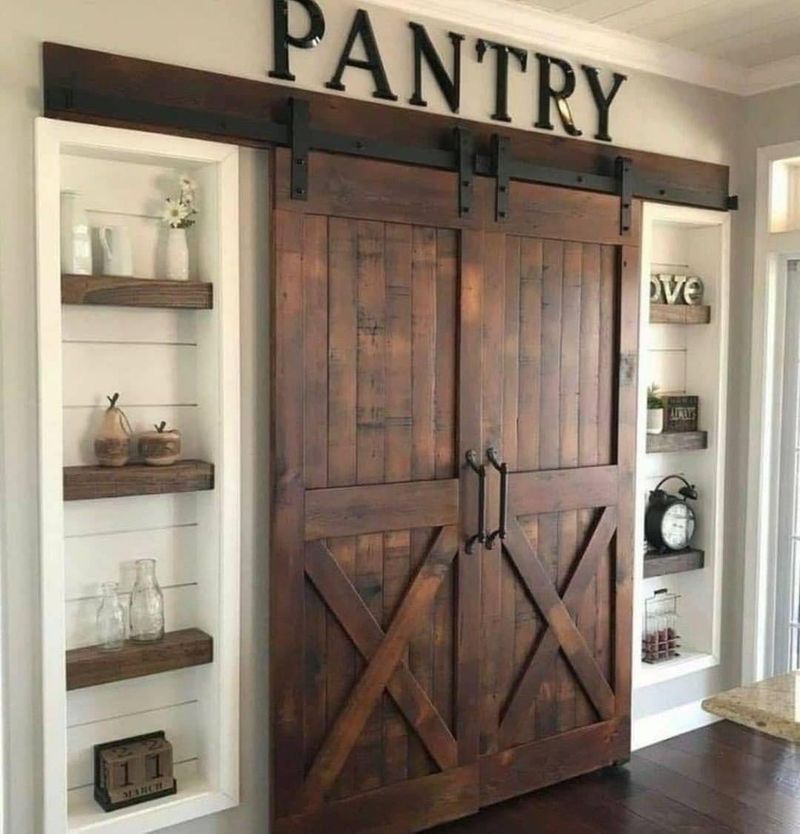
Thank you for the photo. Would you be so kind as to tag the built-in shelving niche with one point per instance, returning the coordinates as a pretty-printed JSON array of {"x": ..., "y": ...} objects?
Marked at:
[
  {"x": 684, "y": 350},
  {"x": 170, "y": 348}
]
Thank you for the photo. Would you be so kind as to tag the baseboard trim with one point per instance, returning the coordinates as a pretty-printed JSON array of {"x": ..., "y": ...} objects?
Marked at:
[{"x": 670, "y": 723}]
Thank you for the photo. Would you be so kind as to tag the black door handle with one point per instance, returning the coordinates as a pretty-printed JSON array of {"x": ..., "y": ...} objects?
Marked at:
[
  {"x": 502, "y": 468},
  {"x": 480, "y": 470}
]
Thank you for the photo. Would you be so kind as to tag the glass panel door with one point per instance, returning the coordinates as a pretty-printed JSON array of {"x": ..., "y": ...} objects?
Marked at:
[{"x": 787, "y": 564}]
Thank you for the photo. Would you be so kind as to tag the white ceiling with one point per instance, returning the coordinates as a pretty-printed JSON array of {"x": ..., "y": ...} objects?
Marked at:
[{"x": 745, "y": 33}]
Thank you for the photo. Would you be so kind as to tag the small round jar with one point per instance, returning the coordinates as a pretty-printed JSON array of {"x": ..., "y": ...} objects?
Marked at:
[{"x": 161, "y": 447}]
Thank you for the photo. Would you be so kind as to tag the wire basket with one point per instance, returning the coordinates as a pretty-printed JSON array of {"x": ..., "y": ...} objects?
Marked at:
[{"x": 660, "y": 638}]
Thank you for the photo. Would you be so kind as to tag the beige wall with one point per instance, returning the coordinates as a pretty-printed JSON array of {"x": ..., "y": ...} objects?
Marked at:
[{"x": 233, "y": 37}]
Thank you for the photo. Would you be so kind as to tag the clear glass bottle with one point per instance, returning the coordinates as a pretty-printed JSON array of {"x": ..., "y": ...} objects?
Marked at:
[
  {"x": 110, "y": 619},
  {"x": 147, "y": 604}
]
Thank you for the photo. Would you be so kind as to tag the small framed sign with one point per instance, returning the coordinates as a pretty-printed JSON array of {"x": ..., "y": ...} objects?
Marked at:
[
  {"x": 133, "y": 770},
  {"x": 681, "y": 413}
]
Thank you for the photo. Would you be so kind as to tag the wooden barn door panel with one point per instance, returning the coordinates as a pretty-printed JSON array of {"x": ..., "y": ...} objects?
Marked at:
[
  {"x": 375, "y": 604},
  {"x": 559, "y": 345}
]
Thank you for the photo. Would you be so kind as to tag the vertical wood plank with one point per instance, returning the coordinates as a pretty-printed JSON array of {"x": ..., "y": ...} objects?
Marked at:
[
  {"x": 492, "y": 408},
  {"x": 530, "y": 367},
  {"x": 569, "y": 450},
  {"x": 609, "y": 347},
  {"x": 370, "y": 443},
  {"x": 446, "y": 360},
  {"x": 423, "y": 354},
  {"x": 606, "y": 442},
  {"x": 468, "y": 681},
  {"x": 315, "y": 286},
  {"x": 588, "y": 452},
  {"x": 398, "y": 463},
  {"x": 423, "y": 461},
  {"x": 549, "y": 449},
  {"x": 287, "y": 541},
  {"x": 626, "y": 454},
  {"x": 445, "y": 426},
  {"x": 342, "y": 405},
  {"x": 508, "y": 451}
]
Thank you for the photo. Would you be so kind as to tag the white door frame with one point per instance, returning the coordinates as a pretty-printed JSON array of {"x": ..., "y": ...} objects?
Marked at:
[{"x": 773, "y": 250}]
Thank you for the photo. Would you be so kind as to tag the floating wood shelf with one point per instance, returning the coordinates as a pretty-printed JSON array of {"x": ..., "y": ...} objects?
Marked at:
[
  {"x": 179, "y": 649},
  {"x": 663, "y": 564},
  {"x": 680, "y": 314},
  {"x": 683, "y": 441},
  {"x": 86, "y": 482},
  {"x": 136, "y": 292}
]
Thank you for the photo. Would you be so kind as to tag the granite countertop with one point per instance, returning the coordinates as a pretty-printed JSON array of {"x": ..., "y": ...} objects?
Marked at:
[{"x": 772, "y": 706}]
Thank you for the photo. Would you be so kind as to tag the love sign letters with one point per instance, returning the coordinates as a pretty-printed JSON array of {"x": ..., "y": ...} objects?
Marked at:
[{"x": 676, "y": 289}]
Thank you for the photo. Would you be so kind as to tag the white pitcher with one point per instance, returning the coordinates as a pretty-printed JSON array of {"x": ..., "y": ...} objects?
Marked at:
[
  {"x": 117, "y": 251},
  {"x": 76, "y": 240}
]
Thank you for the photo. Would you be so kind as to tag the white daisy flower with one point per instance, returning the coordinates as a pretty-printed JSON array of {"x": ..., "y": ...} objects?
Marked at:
[
  {"x": 178, "y": 212},
  {"x": 174, "y": 213}
]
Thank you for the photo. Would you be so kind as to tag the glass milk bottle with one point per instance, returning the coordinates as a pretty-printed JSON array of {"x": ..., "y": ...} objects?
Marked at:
[
  {"x": 110, "y": 619},
  {"x": 147, "y": 604}
]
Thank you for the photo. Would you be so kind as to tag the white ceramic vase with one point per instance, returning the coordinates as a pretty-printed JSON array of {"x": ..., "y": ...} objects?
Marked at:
[
  {"x": 177, "y": 255},
  {"x": 76, "y": 238},
  {"x": 655, "y": 420}
]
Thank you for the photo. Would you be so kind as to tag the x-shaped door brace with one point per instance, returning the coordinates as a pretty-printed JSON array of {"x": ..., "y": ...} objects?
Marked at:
[
  {"x": 560, "y": 615},
  {"x": 386, "y": 667}
]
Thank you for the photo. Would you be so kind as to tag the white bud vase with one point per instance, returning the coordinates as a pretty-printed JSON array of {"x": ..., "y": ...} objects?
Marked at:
[
  {"x": 76, "y": 240},
  {"x": 177, "y": 255}
]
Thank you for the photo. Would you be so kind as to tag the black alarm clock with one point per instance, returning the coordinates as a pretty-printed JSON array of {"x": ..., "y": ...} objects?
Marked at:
[{"x": 669, "y": 521}]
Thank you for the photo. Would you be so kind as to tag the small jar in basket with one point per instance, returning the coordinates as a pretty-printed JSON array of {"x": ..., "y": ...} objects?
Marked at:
[{"x": 660, "y": 638}]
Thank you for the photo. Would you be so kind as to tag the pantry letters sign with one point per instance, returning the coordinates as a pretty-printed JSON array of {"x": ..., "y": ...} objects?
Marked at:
[{"x": 300, "y": 24}]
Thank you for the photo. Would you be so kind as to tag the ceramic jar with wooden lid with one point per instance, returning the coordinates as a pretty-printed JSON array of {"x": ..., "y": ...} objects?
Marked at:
[{"x": 161, "y": 447}]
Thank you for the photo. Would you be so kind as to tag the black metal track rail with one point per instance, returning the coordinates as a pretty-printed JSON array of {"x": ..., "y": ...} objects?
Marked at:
[{"x": 74, "y": 101}]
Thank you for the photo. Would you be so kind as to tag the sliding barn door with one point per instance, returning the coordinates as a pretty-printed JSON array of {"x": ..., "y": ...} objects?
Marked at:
[
  {"x": 375, "y": 605},
  {"x": 559, "y": 359},
  {"x": 417, "y": 674}
]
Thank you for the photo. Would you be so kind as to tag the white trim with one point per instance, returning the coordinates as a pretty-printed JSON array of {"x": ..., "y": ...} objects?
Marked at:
[
  {"x": 653, "y": 213},
  {"x": 766, "y": 351},
  {"x": 51, "y": 510},
  {"x": 645, "y": 675},
  {"x": 670, "y": 723},
  {"x": 219, "y": 789},
  {"x": 773, "y": 76},
  {"x": 548, "y": 30}
]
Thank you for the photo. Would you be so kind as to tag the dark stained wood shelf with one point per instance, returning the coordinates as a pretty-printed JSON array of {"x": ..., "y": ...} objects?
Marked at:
[
  {"x": 136, "y": 292},
  {"x": 663, "y": 564},
  {"x": 178, "y": 650},
  {"x": 680, "y": 314},
  {"x": 87, "y": 482},
  {"x": 679, "y": 441}
]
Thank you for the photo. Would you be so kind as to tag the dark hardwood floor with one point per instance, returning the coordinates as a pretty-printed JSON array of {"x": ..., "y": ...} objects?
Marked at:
[{"x": 723, "y": 778}]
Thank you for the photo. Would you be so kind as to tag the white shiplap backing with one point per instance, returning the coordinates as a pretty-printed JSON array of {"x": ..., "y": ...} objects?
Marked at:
[
  {"x": 180, "y": 367},
  {"x": 151, "y": 358}
]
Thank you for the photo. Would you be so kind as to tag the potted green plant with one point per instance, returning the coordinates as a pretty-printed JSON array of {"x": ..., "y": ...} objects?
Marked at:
[{"x": 655, "y": 411}]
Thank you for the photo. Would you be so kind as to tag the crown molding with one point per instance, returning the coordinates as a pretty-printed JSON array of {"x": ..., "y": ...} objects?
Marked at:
[
  {"x": 514, "y": 20},
  {"x": 767, "y": 77}
]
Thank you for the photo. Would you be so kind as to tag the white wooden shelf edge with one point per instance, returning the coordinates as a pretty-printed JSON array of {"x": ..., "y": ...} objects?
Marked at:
[
  {"x": 193, "y": 800},
  {"x": 687, "y": 664}
]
